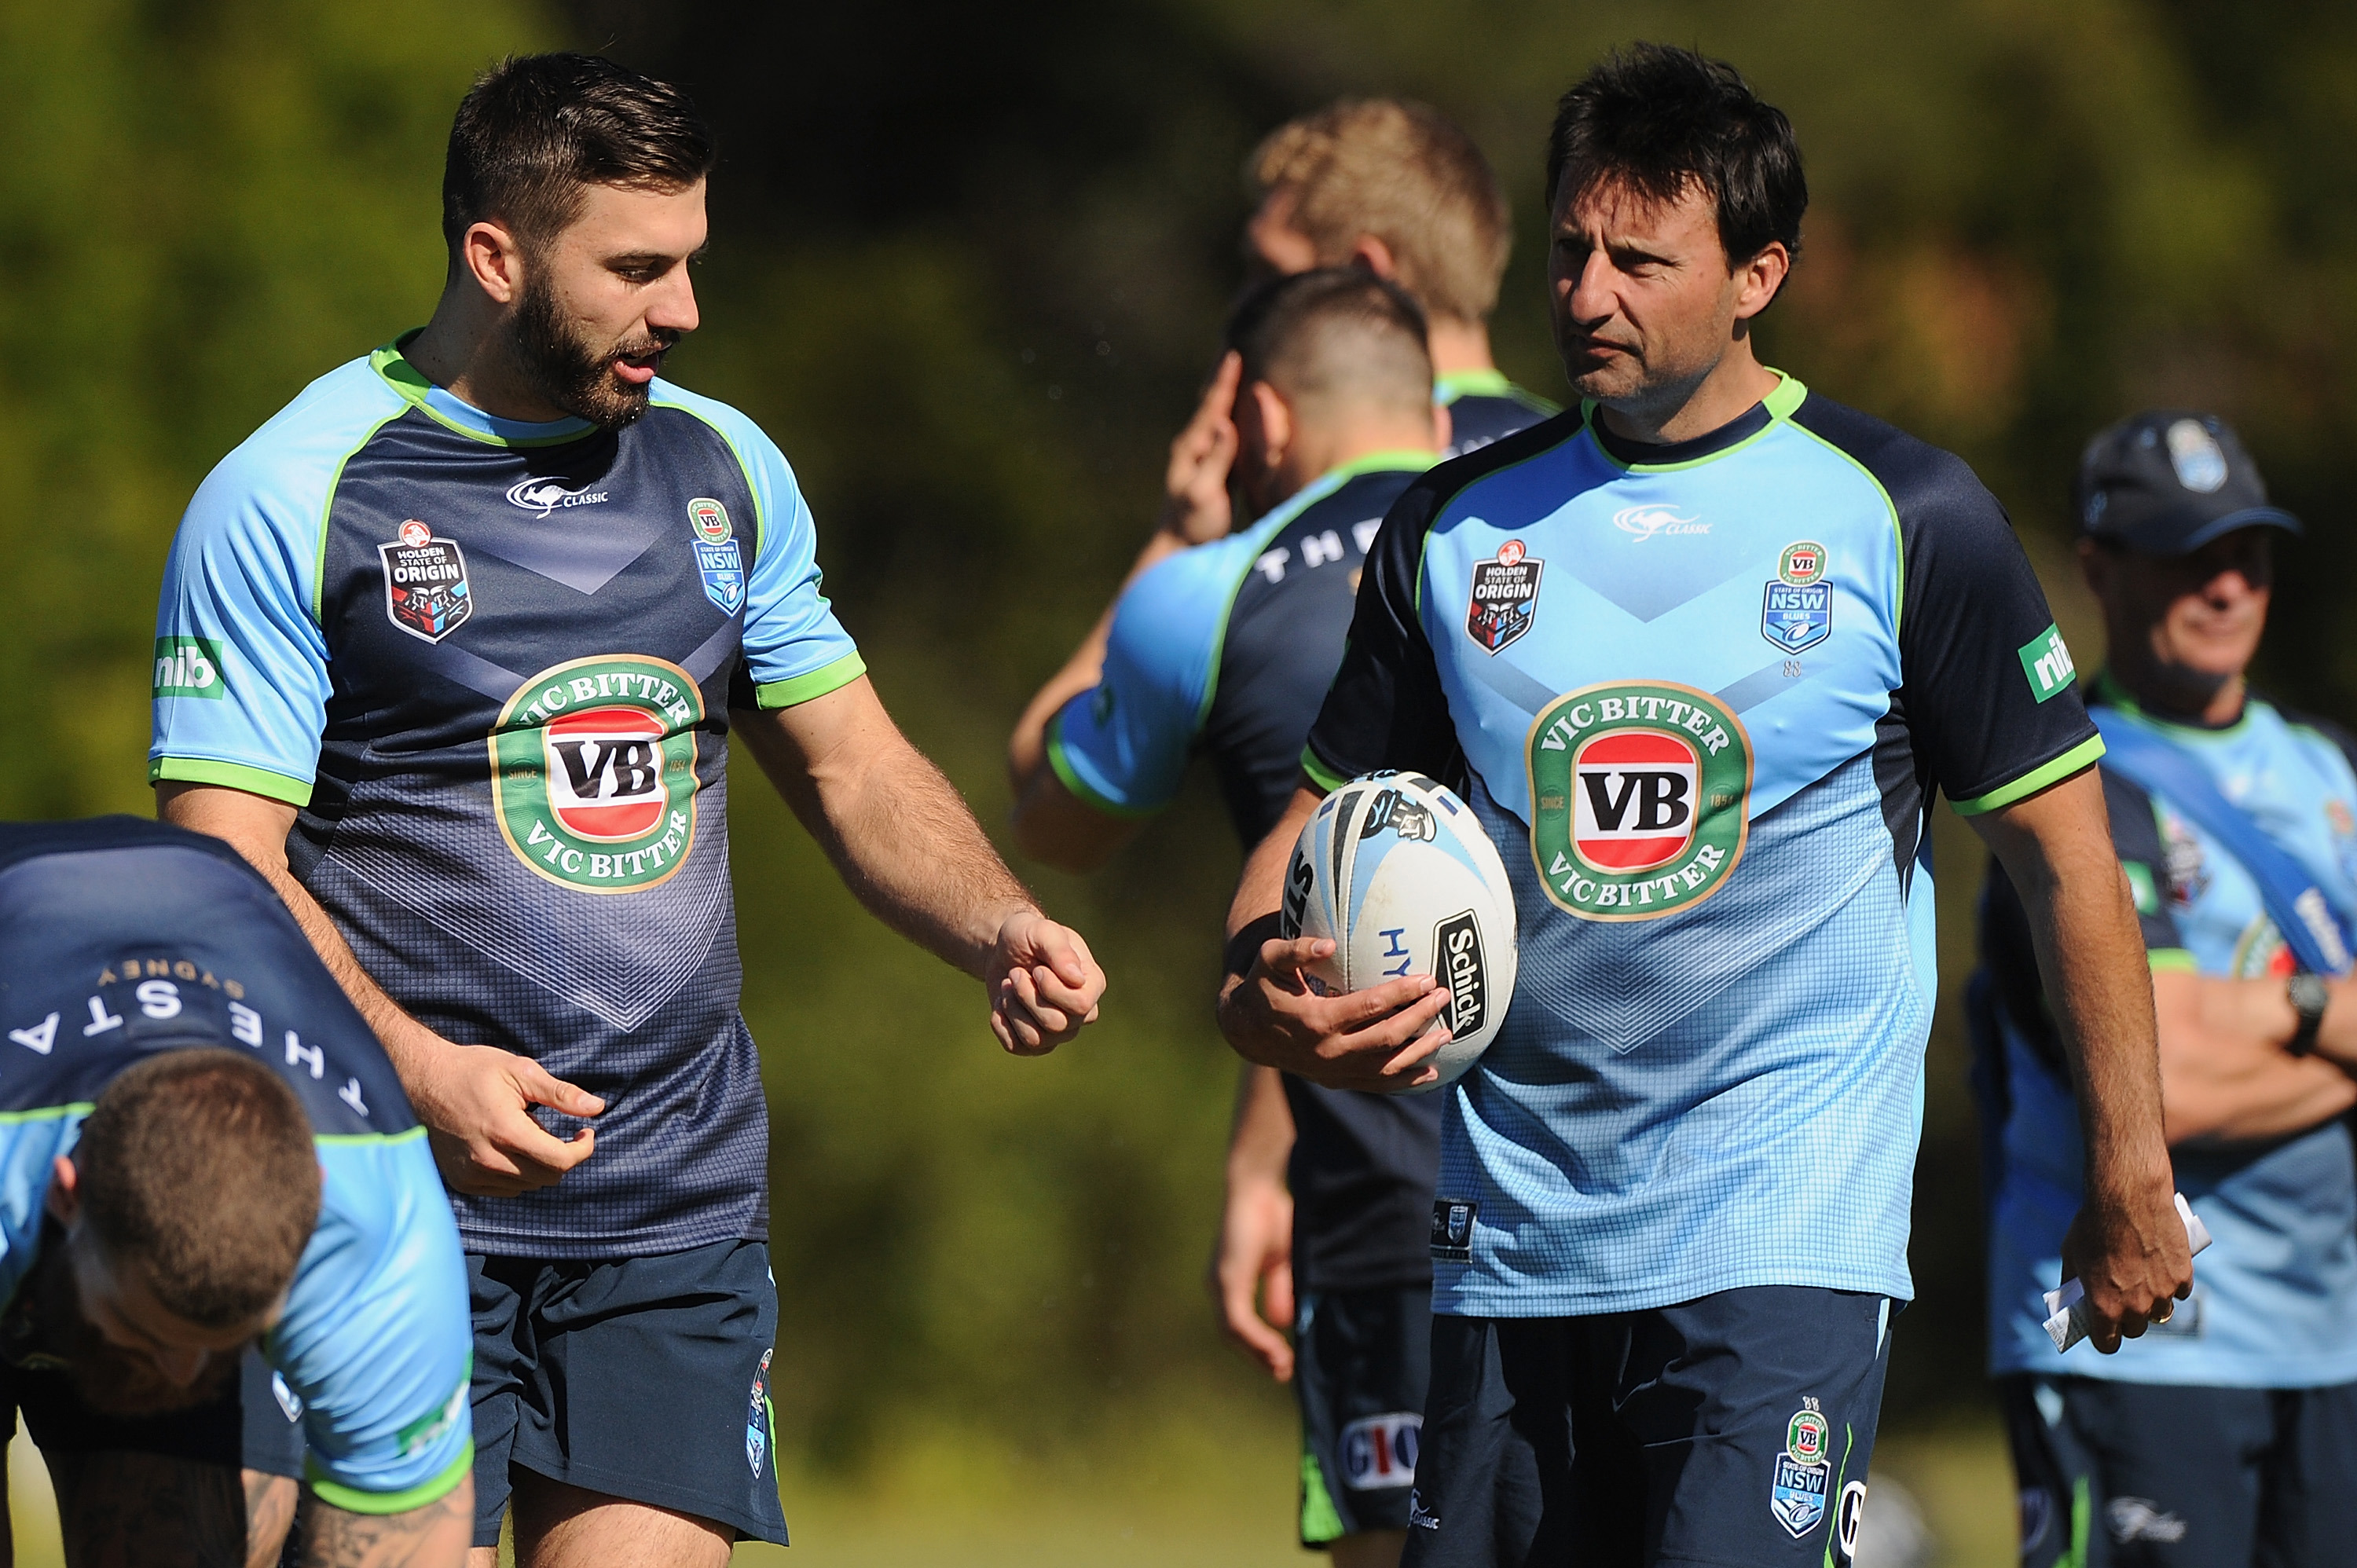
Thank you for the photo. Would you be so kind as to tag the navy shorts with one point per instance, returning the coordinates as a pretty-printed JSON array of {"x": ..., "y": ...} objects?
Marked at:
[
  {"x": 2138, "y": 1476},
  {"x": 254, "y": 1423},
  {"x": 1732, "y": 1430},
  {"x": 645, "y": 1379},
  {"x": 1361, "y": 1361}
]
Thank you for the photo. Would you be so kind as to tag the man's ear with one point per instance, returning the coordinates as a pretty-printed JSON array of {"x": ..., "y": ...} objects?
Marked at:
[
  {"x": 1275, "y": 417},
  {"x": 2095, "y": 568},
  {"x": 490, "y": 254},
  {"x": 1372, "y": 254},
  {"x": 64, "y": 1201},
  {"x": 1758, "y": 280}
]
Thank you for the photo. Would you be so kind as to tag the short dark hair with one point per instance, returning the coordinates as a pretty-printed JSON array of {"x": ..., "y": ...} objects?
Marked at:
[
  {"x": 1658, "y": 119},
  {"x": 1335, "y": 331},
  {"x": 199, "y": 1165},
  {"x": 536, "y": 128}
]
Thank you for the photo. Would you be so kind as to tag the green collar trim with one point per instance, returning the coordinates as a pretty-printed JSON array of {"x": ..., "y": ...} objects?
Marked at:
[
  {"x": 2112, "y": 694},
  {"x": 439, "y": 405},
  {"x": 1781, "y": 401},
  {"x": 1448, "y": 388},
  {"x": 1397, "y": 460}
]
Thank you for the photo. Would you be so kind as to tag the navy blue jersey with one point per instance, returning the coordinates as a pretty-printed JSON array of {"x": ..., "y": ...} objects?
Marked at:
[
  {"x": 1484, "y": 406},
  {"x": 1228, "y": 647},
  {"x": 492, "y": 664},
  {"x": 122, "y": 938},
  {"x": 1701, "y": 695},
  {"x": 2272, "y": 1299}
]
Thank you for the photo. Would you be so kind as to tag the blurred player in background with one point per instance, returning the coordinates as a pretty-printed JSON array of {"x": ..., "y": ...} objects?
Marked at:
[
  {"x": 206, "y": 1150},
  {"x": 2227, "y": 1438},
  {"x": 451, "y": 650},
  {"x": 1227, "y": 647},
  {"x": 1700, "y": 658}
]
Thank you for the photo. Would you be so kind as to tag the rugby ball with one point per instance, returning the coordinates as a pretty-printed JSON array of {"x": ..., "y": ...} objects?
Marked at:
[{"x": 1397, "y": 873}]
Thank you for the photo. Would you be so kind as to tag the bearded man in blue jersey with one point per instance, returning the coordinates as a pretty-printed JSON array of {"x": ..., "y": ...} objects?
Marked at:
[
  {"x": 2227, "y": 1438},
  {"x": 451, "y": 650},
  {"x": 1701, "y": 655}
]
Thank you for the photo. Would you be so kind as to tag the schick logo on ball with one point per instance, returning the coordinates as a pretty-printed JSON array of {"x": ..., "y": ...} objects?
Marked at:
[
  {"x": 1639, "y": 798},
  {"x": 592, "y": 771}
]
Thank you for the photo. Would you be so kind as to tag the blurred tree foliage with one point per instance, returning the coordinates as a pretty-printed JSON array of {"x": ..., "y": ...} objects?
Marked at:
[{"x": 968, "y": 266}]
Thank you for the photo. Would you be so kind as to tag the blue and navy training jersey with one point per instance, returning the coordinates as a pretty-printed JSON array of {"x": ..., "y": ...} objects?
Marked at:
[
  {"x": 2274, "y": 1298},
  {"x": 1701, "y": 696},
  {"x": 120, "y": 938},
  {"x": 1484, "y": 406},
  {"x": 1228, "y": 648},
  {"x": 492, "y": 664}
]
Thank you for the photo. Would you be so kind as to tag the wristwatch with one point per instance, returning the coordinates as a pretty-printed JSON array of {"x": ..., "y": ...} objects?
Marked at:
[{"x": 2307, "y": 996}]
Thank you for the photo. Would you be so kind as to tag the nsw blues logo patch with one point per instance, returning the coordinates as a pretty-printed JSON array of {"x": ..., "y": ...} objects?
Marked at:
[
  {"x": 1797, "y": 610},
  {"x": 1797, "y": 1498},
  {"x": 756, "y": 1417},
  {"x": 1505, "y": 597},
  {"x": 718, "y": 558}
]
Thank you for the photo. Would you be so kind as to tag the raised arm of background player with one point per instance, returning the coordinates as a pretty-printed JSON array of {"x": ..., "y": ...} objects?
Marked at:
[
  {"x": 2126, "y": 1245},
  {"x": 899, "y": 834}
]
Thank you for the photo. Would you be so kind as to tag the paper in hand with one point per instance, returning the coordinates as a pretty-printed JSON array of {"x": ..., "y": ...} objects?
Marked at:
[{"x": 2066, "y": 1309}]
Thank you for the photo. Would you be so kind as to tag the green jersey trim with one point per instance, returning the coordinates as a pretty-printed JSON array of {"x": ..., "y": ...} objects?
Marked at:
[
  {"x": 1889, "y": 506},
  {"x": 1448, "y": 388},
  {"x": 407, "y": 380},
  {"x": 1320, "y": 1522},
  {"x": 2171, "y": 960},
  {"x": 812, "y": 683},
  {"x": 233, "y": 775},
  {"x": 1078, "y": 787},
  {"x": 46, "y": 1113},
  {"x": 2112, "y": 694},
  {"x": 760, "y": 517},
  {"x": 1327, "y": 779},
  {"x": 2083, "y": 754},
  {"x": 353, "y": 1500},
  {"x": 384, "y": 1139},
  {"x": 1787, "y": 395}
]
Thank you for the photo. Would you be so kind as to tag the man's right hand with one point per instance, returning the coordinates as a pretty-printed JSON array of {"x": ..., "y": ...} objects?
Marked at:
[
  {"x": 1196, "y": 510},
  {"x": 2132, "y": 1258},
  {"x": 1250, "y": 1276},
  {"x": 1376, "y": 1039},
  {"x": 474, "y": 1100}
]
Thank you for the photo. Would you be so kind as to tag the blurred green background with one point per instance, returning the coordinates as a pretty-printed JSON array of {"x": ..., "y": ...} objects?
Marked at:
[{"x": 968, "y": 267}]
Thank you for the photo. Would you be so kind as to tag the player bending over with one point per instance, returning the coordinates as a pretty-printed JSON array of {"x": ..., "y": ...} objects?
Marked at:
[
  {"x": 206, "y": 1150},
  {"x": 2226, "y": 1438},
  {"x": 451, "y": 648},
  {"x": 1700, "y": 658},
  {"x": 1228, "y": 647}
]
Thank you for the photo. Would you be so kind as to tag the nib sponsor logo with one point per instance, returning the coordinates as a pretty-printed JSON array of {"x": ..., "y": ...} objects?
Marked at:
[{"x": 544, "y": 496}]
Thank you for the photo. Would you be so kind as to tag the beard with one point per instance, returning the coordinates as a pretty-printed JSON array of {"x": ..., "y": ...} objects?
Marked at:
[
  {"x": 108, "y": 1378},
  {"x": 570, "y": 371}
]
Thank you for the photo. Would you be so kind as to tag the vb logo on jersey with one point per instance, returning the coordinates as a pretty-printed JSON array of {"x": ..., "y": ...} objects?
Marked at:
[
  {"x": 425, "y": 583},
  {"x": 1797, "y": 612},
  {"x": 1505, "y": 596},
  {"x": 592, "y": 771},
  {"x": 717, "y": 554},
  {"x": 1639, "y": 796}
]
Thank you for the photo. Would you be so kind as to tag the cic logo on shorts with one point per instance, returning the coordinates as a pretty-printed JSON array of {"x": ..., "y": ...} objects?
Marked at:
[{"x": 592, "y": 771}]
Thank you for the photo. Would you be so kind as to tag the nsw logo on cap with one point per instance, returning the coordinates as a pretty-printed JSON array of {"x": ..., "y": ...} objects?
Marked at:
[{"x": 2194, "y": 453}]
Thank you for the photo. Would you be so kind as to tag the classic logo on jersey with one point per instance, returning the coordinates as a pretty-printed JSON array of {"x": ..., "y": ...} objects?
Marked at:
[
  {"x": 425, "y": 583},
  {"x": 756, "y": 1423},
  {"x": 592, "y": 771},
  {"x": 1379, "y": 1451},
  {"x": 1640, "y": 794},
  {"x": 2046, "y": 662},
  {"x": 1452, "y": 1228},
  {"x": 718, "y": 556},
  {"x": 2194, "y": 453},
  {"x": 1505, "y": 596},
  {"x": 189, "y": 667},
  {"x": 1646, "y": 521},
  {"x": 546, "y": 495}
]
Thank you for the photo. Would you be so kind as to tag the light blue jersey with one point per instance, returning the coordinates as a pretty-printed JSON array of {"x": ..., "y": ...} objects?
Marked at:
[
  {"x": 1702, "y": 697},
  {"x": 2275, "y": 1297}
]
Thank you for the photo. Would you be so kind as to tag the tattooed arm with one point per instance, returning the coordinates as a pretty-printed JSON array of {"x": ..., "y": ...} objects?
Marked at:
[{"x": 434, "y": 1536}]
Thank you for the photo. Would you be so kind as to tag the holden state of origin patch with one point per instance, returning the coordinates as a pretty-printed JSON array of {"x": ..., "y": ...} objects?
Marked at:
[
  {"x": 592, "y": 771},
  {"x": 1640, "y": 798}
]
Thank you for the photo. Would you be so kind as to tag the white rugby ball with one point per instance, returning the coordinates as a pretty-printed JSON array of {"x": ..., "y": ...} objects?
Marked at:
[{"x": 1396, "y": 871}]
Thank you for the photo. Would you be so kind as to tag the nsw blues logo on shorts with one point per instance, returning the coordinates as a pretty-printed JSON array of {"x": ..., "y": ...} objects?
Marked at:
[
  {"x": 1798, "y": 1496},
  {"x": 756, "y": 1417}
]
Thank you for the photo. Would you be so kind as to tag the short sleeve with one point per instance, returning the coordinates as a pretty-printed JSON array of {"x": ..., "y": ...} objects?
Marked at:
[
  {"x": 1386, "y": 708},
  {"x": 241, "y": 666},
  {"x": 378, "y": 1339},
  {"x": 1121, "y": 746}
]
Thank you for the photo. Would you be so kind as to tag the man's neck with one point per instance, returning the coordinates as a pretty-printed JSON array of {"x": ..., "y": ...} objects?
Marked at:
[
  {"x": 1458, "y": 346},
  {"x": 2180, "y": 699},
  {"x": 464, "y": 351},
  {"x": 1318, "y": 453},
  {"x": 1727, "y": 392}
]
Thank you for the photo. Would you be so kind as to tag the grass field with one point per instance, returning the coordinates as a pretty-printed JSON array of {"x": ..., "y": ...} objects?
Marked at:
[{"x": 1191, "y": 1498}]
